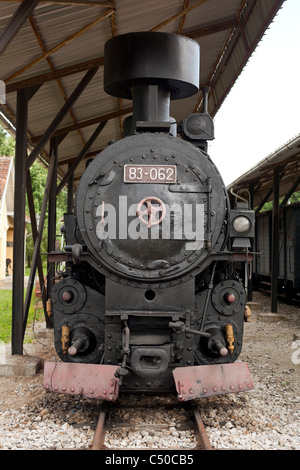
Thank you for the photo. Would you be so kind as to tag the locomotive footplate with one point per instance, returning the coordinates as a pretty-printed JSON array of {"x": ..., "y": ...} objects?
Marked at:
[
  {"x": 218, "y": 379},
  {"x": 89, "y": 380}
]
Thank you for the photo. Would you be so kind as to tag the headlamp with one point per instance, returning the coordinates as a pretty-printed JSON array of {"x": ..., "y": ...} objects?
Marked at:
[{"x": 241, "y": 224}]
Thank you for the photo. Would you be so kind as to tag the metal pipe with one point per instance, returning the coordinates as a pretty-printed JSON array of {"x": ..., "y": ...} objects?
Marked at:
[
  {"x": 210, "y": 287},
  {"x": 180, "y": 327},
  {"x": 205, "y": 91}
]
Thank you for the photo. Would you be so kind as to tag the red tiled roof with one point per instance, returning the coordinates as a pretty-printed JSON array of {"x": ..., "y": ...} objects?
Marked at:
[{"x": 4, "y": 169}]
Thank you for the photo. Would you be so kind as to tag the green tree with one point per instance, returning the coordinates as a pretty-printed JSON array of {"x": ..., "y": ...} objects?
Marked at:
[
  {"x": 295, "y": 197},
  {"x": 38, "y": 175},
  {"x": 7, "y": 143}
]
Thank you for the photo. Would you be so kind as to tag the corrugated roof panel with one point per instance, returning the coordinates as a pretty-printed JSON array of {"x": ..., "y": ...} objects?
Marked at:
[
  {"x": 60, "y": 21},
  {"x": 209, "y": 47},
  {"x": 45, "y": 104},
  {"x": 6, "y": 11},
  {"x": 259, "y": 179},
  {"x": 89, "y": 45},
  {"x": 211, "y": 12},
  {"x": 42, "y": 108},
  {"x": 20, "y": 52},
  {"x": 56, "y": 23},
  {"x": 54, "y": 28},
  {"x": 255, "y": 19},
  {"x": 260, "y": 12},
  {"x": 134, "y": 16},
  {"x": 72, "y": 145},
  {"x": 93, "y": 101}
]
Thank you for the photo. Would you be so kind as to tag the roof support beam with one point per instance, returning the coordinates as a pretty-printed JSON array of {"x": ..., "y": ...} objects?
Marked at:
[
  {"x": 54, "y": 75},
  {"x": 60, "y": 115},
  {"x": 69, "y": 161},
  {"x": 19, "y": 227},
  {"x": 51, "y": 65},
  {"x": 18, "y": 312},
  {"x": 182, "y": 19},
  {"x": 37, "y": 245},
  {"x": 23, "y": 11},
  {"x": 35, "y": 235},
  {"x": 178, "y": 15},
  {"x": 52, "y": 216},
  {"x": 51, "y": 230},
  {"x": 228, "y": 66},
  {"x": 74, "y": 165},
  {"x": 212, "y": 29},
  {"x": 275, "y": 239},
  {"x": 89, "y": 122},
  {"x": 217, "y": 79},
  {"x": 60, "y": 45},
  {"x": 98, "y": 62},
  {"x": 98, "y": 3},
  {"x": 263, "y": 202},
  {"x": 289, "y": 193},
  {"x": 70, "y": 202}
]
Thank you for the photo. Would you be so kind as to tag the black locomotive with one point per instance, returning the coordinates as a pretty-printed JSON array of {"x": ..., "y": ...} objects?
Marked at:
[{"x": 150, "y": 298}]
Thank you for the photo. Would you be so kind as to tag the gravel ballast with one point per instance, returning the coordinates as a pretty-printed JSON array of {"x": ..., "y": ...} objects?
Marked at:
[{"x": 265, "y": 418}]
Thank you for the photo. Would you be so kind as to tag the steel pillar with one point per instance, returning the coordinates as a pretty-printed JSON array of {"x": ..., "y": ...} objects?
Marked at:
[
  {"x": 23, "y": 11},
  {"x": 52, "y": 217},
  {"x": 70, "y": 205},
  {"x": 275, "y": 239},
  {"x": 250, "y": 280},
  {"x": 19, "y": 223},
  {"x": 35, "y": 235},
  {"x": 37, "y": 244}
]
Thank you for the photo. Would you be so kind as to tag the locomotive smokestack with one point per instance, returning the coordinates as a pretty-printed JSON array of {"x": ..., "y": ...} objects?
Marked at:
[
  {"x": 151, "y": 69},
  {"x": 151, "y": 103}
]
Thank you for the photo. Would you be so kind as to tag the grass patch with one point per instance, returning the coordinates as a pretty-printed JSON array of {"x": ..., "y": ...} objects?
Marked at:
[{"x": 6, "y": 315}]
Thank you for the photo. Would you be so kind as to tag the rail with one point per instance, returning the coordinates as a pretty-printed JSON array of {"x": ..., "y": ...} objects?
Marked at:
[{"x": 194, "y": 421}]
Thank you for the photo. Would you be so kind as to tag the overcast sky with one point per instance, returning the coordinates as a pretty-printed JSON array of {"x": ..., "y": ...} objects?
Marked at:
[{"x": 262, "y": 111}]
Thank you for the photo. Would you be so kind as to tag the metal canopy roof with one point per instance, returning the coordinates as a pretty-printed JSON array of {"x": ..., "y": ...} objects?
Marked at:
[
  {"x": 259, "y": 180},
  {"x": 55, "y": 43}
]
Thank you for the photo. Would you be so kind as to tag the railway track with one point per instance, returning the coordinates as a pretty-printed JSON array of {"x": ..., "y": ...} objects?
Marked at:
[
  {"x": 193, "y": 422},
  {"x": 295, "y": 301}
]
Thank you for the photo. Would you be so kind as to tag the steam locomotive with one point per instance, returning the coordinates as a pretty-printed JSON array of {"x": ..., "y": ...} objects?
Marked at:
[{"x": 151, "y": 299}]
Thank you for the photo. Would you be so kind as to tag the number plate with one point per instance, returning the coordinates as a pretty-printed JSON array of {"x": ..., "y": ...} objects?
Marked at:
[{"x": 150, "y": 174}]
